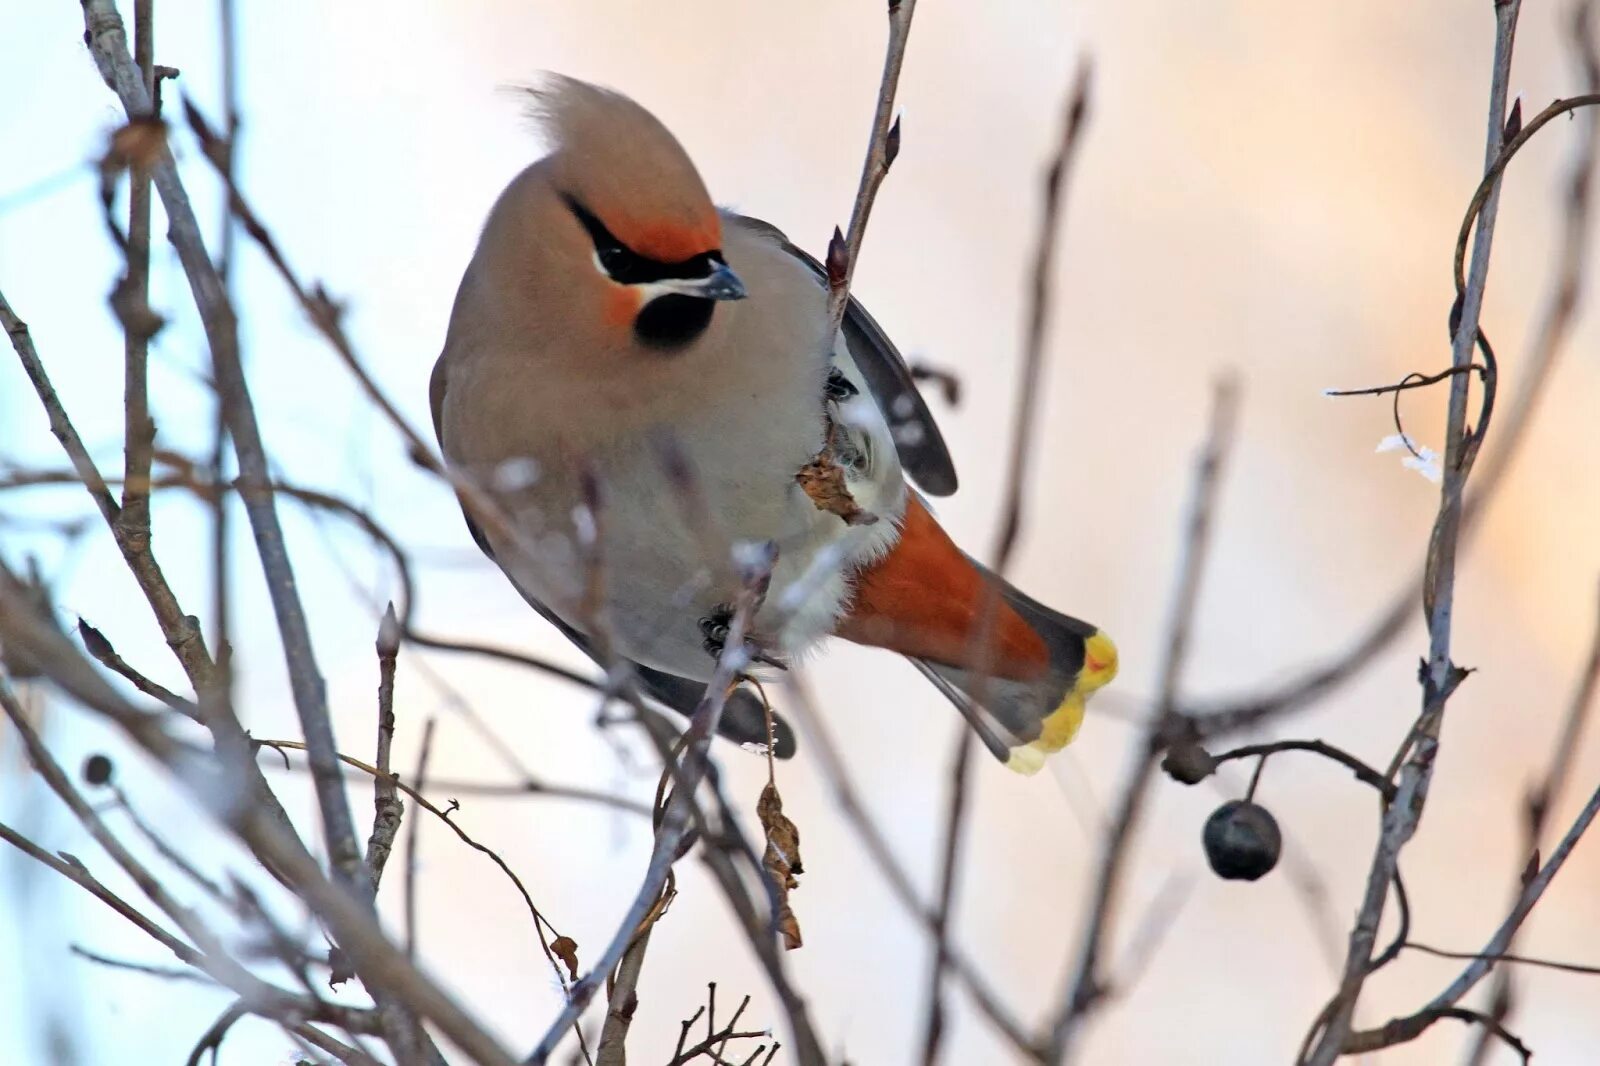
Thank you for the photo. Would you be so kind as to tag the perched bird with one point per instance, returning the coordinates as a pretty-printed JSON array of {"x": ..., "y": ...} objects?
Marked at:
[{"x": 639, "y": 379}]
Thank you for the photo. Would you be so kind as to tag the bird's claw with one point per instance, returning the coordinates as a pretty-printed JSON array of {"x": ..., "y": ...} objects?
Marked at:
[
  {"x": 839, "y": 388},
  {"x": 714, "y": 627}
]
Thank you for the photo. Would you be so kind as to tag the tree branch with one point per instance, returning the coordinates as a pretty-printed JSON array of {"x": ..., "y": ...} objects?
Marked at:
[
  {"x": 1400, "y": 818},
  {"x": 1087, "y": 984}
]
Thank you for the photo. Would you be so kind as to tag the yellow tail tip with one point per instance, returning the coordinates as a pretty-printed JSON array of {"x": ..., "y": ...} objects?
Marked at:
[
  {"x": 1099, "y": 664},
  {"x": 1061, "y": 724}
]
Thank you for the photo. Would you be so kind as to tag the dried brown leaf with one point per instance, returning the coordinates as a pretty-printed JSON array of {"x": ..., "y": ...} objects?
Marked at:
[
  {"x": 823, "y": 480},
  {"x": 138, "y": 144},
  {"x": 566, "y": 949},
  {"x": 781, "y": 860}
]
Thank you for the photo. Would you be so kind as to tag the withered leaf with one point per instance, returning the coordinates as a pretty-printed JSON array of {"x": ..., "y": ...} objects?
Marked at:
[
  {"x": 138, "y": 144},
  {"x": 566, "y": 949},
  {"x": 823, "y": 480},
  {"x": 781, "y": 860}
]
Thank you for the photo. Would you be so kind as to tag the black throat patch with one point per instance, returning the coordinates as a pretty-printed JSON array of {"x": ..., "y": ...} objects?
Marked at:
[{"x": 672, "y": 321}]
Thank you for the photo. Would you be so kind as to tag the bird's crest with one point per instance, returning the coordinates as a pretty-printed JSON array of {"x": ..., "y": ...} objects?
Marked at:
[{"x": 625, "y": 167}]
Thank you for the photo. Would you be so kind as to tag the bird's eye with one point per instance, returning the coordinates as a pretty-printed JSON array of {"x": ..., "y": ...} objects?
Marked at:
[{"x": 614, "y": 259}]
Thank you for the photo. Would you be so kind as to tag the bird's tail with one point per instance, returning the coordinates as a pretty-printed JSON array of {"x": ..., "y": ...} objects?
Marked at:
[
  {"x": 1019, "y": 672},
  {"x": 1023, "y": 720}
]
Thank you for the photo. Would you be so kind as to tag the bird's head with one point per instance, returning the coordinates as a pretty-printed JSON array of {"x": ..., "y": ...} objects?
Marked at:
[{"x": 619, "y": 211}]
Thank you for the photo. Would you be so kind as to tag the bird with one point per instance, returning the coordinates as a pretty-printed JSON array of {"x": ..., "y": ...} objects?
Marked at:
[{"x": 638, "y": 379}]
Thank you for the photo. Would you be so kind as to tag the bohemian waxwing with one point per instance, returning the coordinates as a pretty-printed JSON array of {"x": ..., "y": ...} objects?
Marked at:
[{"x": 614, "y": 327}]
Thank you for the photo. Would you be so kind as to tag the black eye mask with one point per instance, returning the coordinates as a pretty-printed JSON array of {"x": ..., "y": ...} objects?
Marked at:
[{"x": 627, "y": 267}]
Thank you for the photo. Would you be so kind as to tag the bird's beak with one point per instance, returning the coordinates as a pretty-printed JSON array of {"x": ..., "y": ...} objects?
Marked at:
[{"x": 721, "y": 284}]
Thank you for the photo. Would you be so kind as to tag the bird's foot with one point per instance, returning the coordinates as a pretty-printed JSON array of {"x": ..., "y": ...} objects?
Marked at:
[
  {"x": 838, "y": 388},
  {"x": 714, "y": 627}
]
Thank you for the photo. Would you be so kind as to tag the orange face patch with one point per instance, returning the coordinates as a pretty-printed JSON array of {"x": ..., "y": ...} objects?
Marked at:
[{"x": 621, "y": 305}]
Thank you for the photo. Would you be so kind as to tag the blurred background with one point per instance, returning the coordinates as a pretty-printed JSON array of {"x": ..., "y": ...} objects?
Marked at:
[{"x": 1273, "y": 189}]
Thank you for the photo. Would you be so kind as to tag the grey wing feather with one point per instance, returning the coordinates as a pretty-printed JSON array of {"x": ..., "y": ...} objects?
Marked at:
[
  {"x": 744, "y": 717},
  {"x": 918, "y": 442}
]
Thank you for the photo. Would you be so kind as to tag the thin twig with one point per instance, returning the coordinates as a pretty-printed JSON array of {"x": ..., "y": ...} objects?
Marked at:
[
  {"x": 73, "y": 870},
  {"x": 883, "y": 144},
  {"x": 412, "y": 839},
  {"x": 675, "y": 822},
  {"x": 1408, "y": 1028},
  {"x": 1087, "y": 984},
  {"x": 387, "y": 808},
  {"x": 1364, "y": 773},
  {"x": 383, "y": 968},
  {"x": 216, "y": 1032},
  {"x": 1541, "y": 800},
  {"x": 1505, "y": 956},
  {"x": 1042, "y": 281},
  {"x": 949, "y": 866},
  {"x": 221, "y": 570},
  {"x": 109, "y": 46},
  {"x": 1401, "y": 817},
  {"x": 820, "y": 742},
  {"x": 1016, "y": 484},
  {"x": 179, "y": 630},
  {"x": 1554, "y": 323},
  {"x": 132, "y": 300},
  {"x": 623, "y": 1002},
  {"x": 167, "y": 852},
  {"x": 96, "y": 644},
  {"x": 341, "y": 1051},
  {"x": 165, "y": 973},
  {"x": 541, "y": 924}
]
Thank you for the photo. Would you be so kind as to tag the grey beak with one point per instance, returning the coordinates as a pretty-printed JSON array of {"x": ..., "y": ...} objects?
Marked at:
[{"x": 722, "y": 284}]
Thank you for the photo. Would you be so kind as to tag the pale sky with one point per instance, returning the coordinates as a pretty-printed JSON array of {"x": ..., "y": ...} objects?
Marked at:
[{"x": 1270, "y": 188}]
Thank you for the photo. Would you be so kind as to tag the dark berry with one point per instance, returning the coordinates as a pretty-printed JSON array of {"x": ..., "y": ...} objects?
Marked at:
[
  {"x": 1242, "y": 841},
  {"x": 97, "y": 770}
]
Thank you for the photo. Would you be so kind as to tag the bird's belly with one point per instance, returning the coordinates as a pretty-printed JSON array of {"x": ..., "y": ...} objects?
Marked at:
[{"x": 669, "y": 539}]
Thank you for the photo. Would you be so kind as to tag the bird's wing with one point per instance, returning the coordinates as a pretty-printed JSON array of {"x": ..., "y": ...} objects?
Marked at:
[
  {"x": 744, "y": 716},
  {"x": 917, "y": 439}
]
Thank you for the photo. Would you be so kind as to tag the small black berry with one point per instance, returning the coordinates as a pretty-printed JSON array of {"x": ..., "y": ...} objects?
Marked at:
[
  {"x": 97, "y": 770},
  {"x": 1242, "y": 841}
]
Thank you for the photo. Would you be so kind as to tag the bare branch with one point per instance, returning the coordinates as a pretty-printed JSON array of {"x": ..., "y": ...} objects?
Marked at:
[
  {"x": 96, "y": 644},
  {"x": 383, "y": 968},
  {"x": 209, "y": 955},
  {"x": 1505, "y": 956},
  {"x": 180, "y": 631},
  {"x": 73, "y": 870},
  {"x": 1400, "y": 818},
  {"x": 882, "y": 146},
  {"x": 1041, "y": 284},
  {"x": 412, "y": 839},
  {"x": 1088, "y": 984},
  {"x": 165, "y": 973},
  {"x": 1016, "y": 482},
  {"x": 132, "y": 303},
  {"x": 387, "y": 808},
  {"x": 821, "y": 743},
  {"x": 108, "y": 43},
  {"x": 675, "y": 821}
]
